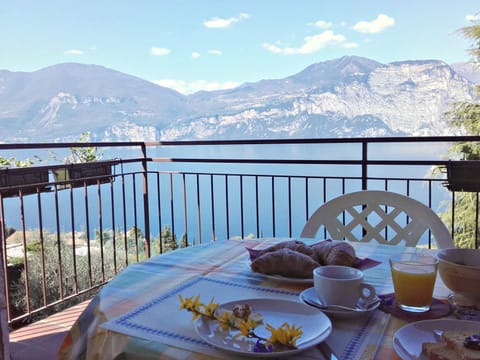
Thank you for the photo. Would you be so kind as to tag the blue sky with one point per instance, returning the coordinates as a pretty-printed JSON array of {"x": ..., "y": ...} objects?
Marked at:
[{"x": 191, "y": 45}]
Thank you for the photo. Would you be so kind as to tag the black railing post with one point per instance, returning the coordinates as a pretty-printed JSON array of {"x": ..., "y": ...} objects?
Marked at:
[
  {"x": 364, "y": 173},
  {"x": 4, "y": 293},
  {"x": 146, "y": 211},
  {"x": 476, "y": 221},
  {"x": 4, "y": 304},
  {"x": 364, "y": 164}
]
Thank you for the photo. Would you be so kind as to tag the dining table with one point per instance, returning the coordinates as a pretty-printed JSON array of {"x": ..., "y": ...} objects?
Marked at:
[{"x": 138, "y": 314}]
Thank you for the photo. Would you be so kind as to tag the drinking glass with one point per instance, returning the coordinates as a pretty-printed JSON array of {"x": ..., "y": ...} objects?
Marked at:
[{"x": 413, "y": 276}]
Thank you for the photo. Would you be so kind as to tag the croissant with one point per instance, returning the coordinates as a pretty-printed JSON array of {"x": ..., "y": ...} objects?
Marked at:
[
  {"x": 331, "y": 252},
  {"x": 284, "y": 244},
  {"x": 300, "y": 247},
  {"x": 294, "y": 245},
  {"x": 286, "y": 262}
]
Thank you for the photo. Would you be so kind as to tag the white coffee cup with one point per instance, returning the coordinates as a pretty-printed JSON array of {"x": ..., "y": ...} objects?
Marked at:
[{"x": 341, "y": 285}]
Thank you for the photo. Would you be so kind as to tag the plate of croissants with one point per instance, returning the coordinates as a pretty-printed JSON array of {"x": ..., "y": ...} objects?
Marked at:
[{"x": 294, "y": 261}]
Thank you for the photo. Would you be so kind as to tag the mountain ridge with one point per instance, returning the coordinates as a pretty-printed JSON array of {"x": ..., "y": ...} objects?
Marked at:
[{"x": 345, "y": 97}]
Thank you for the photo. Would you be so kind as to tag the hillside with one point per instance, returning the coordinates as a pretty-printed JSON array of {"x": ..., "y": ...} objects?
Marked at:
[{"x": 346, "y": 97}]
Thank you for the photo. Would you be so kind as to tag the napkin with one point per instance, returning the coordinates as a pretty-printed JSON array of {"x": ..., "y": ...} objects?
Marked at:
[{"x": 364, "y": 264}]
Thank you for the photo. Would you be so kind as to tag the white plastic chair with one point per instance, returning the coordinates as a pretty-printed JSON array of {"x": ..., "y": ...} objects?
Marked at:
[{"x": 387, "y": 217}]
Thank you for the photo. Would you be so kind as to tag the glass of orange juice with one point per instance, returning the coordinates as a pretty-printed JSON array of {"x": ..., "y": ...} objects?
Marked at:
[{"x": 413, "y": 276}]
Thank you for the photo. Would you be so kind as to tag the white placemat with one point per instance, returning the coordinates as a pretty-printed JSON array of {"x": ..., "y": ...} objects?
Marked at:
[{"x": 162, "y": 320}]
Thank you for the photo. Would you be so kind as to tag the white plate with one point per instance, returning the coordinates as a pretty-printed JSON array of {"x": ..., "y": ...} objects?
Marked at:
[
  {"x": 308, "y": 295},
  {"x": 315, "y": 326},
  {"x": 407, "y": 341},
  {"x": 283, "y": 278}
]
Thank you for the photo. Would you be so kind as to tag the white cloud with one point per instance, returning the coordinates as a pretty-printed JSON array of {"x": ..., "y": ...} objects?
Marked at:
[
  {"x": 349, "y": 45},
  {"x": 219, "y": 23},
  {"x": 473, "y": 17},
  {"x": 158, "y": 51},
  {"x": 73, "y": 52},
  {"x": 195, "y": 54},
  {"x": 321, "y": 24},
  {"x": 375, "y": 26},
  {"x": 185, "y": 87},
  {"x": 215, "y": 52},
  {"x": 273, "y": 48},
  {"x": 311, "y": 44}
]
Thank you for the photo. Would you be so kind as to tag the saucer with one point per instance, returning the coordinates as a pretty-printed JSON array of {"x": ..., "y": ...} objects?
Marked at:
[
  {"x": 309, "y": 297},
  {"x": 464, "y": 309}
]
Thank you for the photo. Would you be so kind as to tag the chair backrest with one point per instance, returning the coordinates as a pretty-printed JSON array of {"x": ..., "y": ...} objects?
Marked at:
[{"x": 387, "y": 217}]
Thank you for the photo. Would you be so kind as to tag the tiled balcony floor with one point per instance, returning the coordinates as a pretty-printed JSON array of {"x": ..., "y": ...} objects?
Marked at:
[{"x": 42, "y": 339}]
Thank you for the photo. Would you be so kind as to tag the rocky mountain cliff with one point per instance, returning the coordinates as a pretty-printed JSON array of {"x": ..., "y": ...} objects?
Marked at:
[
  {"x": 62, "y": 101},
  {"x": 346, "y": 97}
]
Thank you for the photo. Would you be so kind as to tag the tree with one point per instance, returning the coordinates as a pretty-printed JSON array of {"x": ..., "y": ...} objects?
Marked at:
[
  {"x": 169, "y": 240},
  {"x": 135, "y": 241},
  {"x": 466, "y": 116},
  {"x": 104, "y": 236},
  {"x": 81, "y": 154},
  {"x": 184, "y": 241},
  {"x": 77, "y": 274}
]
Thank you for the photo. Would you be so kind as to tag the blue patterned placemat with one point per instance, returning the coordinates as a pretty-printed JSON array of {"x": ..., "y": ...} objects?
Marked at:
[{"x": 349, "y": 336}]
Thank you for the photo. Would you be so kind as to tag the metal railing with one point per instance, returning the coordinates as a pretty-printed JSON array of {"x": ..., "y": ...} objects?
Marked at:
[{"x": 63, "y": 239}]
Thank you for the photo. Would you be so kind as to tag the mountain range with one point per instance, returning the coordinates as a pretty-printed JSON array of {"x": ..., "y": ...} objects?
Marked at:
[{"x": 346, "y": 97}]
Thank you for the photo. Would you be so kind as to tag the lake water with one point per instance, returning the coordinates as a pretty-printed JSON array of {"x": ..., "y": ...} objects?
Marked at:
[{"x": 200, "y": 225}]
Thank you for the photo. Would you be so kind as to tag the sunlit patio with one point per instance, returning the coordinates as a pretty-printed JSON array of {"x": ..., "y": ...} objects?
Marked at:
[
  {"x": 102, "y": 223},
  {"x": 42, "y": 339}
]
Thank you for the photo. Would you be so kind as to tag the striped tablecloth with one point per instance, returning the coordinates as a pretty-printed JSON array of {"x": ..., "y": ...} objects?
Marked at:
[{"x": 137, "y": 314}]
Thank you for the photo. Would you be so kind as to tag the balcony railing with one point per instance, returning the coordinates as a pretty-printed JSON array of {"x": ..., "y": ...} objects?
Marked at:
[{"x": 64, "y": 239}]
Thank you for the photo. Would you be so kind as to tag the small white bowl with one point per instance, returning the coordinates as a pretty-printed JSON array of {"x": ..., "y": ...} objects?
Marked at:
[{"x": 459, "y": 269}]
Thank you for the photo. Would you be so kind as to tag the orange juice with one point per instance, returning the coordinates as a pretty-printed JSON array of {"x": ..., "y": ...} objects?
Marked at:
[
  {"x": 413, "y": 276},
  {"x": 413, "y": 284}
]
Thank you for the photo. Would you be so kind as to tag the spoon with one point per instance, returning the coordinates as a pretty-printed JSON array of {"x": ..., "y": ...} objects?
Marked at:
[{"x": 317, "y": 303}]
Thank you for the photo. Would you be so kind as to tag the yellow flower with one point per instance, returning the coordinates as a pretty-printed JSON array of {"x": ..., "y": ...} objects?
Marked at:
[
  {"x": 191, "y": 304},
  {"x": 286, "y": 334},
  {"x": 195, "y": 315},
  {"x": 274, "y": 334},
  {"x": 210, "y": 308},
  {"x": 246, "y": 326},
  {"x": 196, "y": 303},
  {"x": 225, "y": 319},
  {"x": 183, "y": 302}
]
